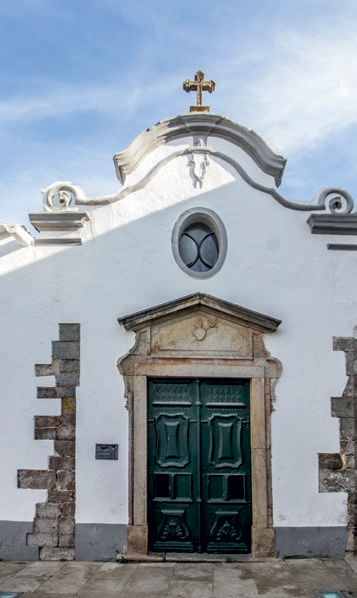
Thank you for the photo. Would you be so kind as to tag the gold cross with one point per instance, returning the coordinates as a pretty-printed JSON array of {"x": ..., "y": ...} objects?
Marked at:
[{"x": 199, "y": 85}]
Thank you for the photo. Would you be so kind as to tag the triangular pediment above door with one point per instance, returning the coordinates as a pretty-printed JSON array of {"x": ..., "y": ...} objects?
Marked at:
[{"x": 199, "y": 325}]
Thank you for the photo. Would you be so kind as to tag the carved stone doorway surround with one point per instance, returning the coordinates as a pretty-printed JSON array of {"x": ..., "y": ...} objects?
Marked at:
[{"x": 200, "y": 336}]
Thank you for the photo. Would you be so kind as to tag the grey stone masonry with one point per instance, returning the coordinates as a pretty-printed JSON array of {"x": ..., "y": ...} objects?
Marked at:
[
  {"x": 54, "y": 524},
  {"x": 337, "y": 470}
]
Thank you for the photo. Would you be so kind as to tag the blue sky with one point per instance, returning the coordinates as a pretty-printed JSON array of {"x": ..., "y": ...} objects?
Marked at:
[{"x": 79, "y": 79}]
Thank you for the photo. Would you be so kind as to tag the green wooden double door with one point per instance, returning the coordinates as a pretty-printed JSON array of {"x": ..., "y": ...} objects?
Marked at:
[{"x": 199, "y": 466}]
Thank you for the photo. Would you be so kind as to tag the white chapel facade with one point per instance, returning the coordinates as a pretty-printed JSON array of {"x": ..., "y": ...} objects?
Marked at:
[{"x": 179, "y": 359}]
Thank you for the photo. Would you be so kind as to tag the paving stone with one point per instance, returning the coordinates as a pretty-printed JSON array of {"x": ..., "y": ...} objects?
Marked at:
[
  {"x": 228, "y": 583},
  {"x": 110, "y": 578},
  {"x": 70, "y": 579},
  {"x": 187, "y": 571},
  {"x": 192, "y": 589},
  {"x": 8, "y": 569}
]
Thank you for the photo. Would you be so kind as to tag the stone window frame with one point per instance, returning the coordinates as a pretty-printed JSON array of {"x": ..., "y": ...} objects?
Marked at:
[
  {"x": 143, "y": 362},
  {"x": 211, "y": 219}
]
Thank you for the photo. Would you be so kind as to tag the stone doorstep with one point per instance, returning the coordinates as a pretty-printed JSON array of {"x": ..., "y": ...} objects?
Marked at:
[{"x": 194, "y": 557}]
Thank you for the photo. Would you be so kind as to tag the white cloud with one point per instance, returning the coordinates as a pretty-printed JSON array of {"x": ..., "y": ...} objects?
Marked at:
[{"x": 308, "y": 89}]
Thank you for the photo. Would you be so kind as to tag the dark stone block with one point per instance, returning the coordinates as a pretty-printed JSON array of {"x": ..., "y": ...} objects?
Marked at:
[
  {"x": 61, "y": 496},
  {"x": 45, "y": 525},
  {"x": 68, "y": 392},
  {"x": 47, "y": 421},
  {"x": 66, "y": 526},
  {"x": 336, "y": 481},
  {"x": 341, "y": 343},
  {"x": 66, "y": 480},
  {"x": 45, "y": 433},
  {"x": 44, "y": 369},
  {"x": 65, "y": 350},
  {"x": 342, "y": 407},
  {"x": 69, "y": 418},
  {"x": 44, "y": 509},
  {"x": 39, "y": 479},
  {"x": 39, "y": 539},
  {"x": 67, "y": 379},
  {"x": 69, "y": 509},
  {"x": 62, "y": 463},
  {"x": 347, "y": 428},
  {"x": 69, "y": 332},
  {"x": 66, "y": 540},
  {"x": 46, "y": 392},
  {"x": 330, "y": 461},
  {"x": 70, "y": 366},
  {"x": 66, "y": 432},
  {"x": 65, "y": 448}
]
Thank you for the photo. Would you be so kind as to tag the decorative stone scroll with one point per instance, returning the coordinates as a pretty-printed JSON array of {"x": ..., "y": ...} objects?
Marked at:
[{"x": 200, "y": 336}]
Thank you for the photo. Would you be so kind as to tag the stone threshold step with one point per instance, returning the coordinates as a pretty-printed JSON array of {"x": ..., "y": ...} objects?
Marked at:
[{"x": 184, "y": 557}]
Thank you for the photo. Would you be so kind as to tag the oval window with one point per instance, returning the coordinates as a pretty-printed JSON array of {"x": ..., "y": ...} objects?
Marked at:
[{"x": 199, "y": 242}]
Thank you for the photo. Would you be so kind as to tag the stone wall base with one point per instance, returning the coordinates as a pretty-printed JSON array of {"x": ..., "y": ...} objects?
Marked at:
[
  {"x": 311, "y": 541},
  {"x": 99, "y": 541},
  {"x": 13, "y": 541}
]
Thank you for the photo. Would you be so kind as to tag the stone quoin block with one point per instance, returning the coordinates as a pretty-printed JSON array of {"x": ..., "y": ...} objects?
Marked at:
[
  {"x": 65, "y": 480},
  {"x": 46, "y": 392},
  {"x": 70, "y": 366},
  {"x": 46, "y": 510},
  {"x": 61, "y": 496},
  {"x": 66, "y": 526},
  {"x": 67, "y": 379},
  {"x": 66, "y": 540},
  {"x": 347, "y": 428},
  {"x": 66, "y": 432},
  {"x": 68, "y": 418},
  {"x": 65, "y": 350},
  {"x": 65, "y": 448},
  {"x": 66, "y": 392},
  {"x": 60, "y": 463},
  {"x": 45, "y": 433},
  {"x": 44, "y": 369},
  {"x": 68, "y": 406},
  {"x": 68, "y": 509},
  {"x": 47, "y": 421},
  {"x": 342, "y": 407},
  {"x": 42, "y": 539},
  {"x": 69, "y": 332},
  {"x": 45, "y": 525},
  {"x": 330, "y": 461},
  {"x": 36, "y": 479},
  {"x": 56, "y": 554}
]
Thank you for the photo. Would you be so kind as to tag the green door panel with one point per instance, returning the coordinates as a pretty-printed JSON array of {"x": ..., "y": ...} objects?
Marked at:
[{"x": 199, "y": 478}]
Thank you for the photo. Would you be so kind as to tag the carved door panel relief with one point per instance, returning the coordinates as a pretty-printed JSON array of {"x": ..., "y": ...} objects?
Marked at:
[{"x": 199, "y": 478}]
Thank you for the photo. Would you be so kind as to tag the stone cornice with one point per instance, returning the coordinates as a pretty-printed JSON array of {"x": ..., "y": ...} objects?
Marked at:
[
  {"x": 186, "y": 125},
  {"x": 333, "y": 224},
  {"x": 60, "y": 221},
  {"x": 192, "y": 302}
]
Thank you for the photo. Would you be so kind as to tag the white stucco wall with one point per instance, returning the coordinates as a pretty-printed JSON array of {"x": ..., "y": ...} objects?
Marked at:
[{"x": 274, "y": 265}]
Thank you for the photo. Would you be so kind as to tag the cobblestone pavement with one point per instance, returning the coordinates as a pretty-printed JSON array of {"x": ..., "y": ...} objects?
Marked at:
[{"x": 277, "y": 578}]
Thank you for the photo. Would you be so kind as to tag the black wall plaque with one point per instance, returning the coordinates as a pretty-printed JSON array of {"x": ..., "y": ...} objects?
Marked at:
[{"x": 106, "y": 451}]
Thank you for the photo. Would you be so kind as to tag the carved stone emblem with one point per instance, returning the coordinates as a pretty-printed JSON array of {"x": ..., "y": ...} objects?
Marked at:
[{"x": 200, "y": 330}]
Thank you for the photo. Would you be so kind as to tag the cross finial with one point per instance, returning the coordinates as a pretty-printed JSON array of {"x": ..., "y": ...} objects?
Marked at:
[{"x": 199, "y": 85}]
